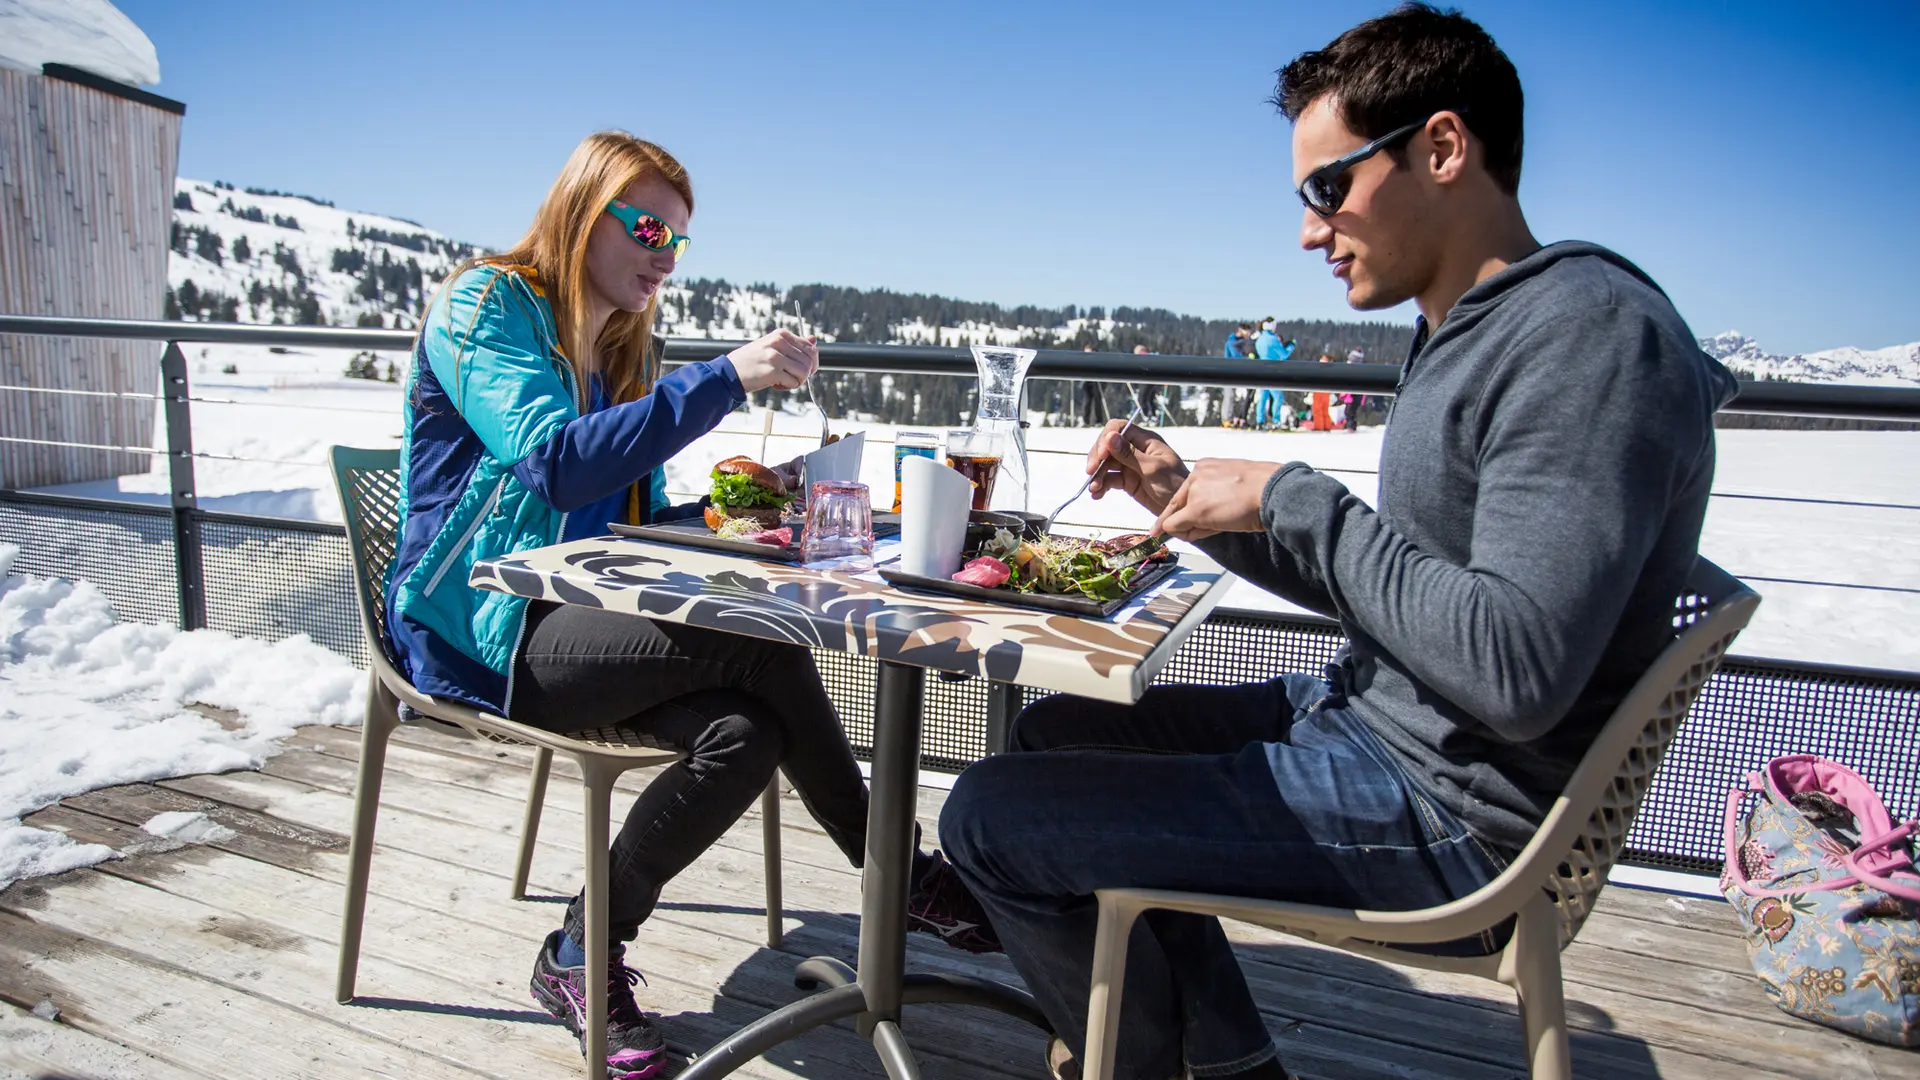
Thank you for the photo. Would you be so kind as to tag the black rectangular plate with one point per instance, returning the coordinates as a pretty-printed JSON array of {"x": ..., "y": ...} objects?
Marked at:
[
  {"x": 1067, "y": 603},
  {"x": 693, "y": 532}
]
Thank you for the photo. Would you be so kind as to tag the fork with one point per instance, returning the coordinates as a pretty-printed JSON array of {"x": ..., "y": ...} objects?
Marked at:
[
  {"x": 826, "y": 433},
  {"x": 1071, "y": 499}
]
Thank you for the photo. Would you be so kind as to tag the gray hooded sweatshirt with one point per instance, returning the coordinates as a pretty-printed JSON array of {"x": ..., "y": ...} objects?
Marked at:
[{"x": 1542, "y": 484}]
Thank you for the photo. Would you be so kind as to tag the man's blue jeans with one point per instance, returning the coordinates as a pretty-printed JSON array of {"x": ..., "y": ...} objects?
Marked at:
[{"x": 1274, "y": 790}]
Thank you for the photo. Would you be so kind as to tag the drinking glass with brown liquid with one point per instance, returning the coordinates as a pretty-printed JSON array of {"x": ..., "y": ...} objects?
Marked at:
[{"x": 975, "y": 455}]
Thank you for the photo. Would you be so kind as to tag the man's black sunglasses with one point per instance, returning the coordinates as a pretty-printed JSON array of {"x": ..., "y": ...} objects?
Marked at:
[{"x": 1321, "y": 191}]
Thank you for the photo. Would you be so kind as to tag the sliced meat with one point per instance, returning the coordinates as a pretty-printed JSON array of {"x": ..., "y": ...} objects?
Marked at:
[
  {"x": 1117, "y": 544},
  {"x": 985, "y": 571},
  {"x": 767, "y": 517},
  {"x": 780, "y": 537}
]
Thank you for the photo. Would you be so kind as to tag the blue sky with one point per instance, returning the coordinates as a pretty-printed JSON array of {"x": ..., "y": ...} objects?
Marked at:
[{"x": 1759, "y": 159}]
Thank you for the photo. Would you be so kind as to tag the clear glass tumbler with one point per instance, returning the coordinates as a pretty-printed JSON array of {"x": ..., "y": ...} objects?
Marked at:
[{"x": 839, "y": 529}]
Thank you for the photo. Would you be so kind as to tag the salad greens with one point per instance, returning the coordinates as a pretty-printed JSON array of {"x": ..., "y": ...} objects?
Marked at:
[{"x": 1067, "y": 564}]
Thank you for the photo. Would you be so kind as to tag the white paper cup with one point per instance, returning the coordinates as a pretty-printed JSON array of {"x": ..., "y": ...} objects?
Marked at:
[{"x": 934, "y": 502}]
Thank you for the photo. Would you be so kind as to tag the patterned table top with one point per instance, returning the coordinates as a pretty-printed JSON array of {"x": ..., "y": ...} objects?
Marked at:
[{"x": 1111, "y": 659}]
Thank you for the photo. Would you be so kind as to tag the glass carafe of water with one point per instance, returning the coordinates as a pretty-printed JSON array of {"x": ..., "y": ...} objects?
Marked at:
[{"x": 1002, "y": 412}]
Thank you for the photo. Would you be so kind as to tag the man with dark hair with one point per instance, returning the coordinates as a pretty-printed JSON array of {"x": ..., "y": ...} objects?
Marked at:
[{"x": 1541, "y": 490}]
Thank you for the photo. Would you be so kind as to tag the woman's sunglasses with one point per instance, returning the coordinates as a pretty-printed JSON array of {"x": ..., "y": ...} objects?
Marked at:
[
  {"x": 1322, "y": 192},
  {"x": 648, "y": 230}
]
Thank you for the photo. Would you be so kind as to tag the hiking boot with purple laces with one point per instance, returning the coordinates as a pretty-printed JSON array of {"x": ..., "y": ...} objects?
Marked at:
[
  {"x": 941, "y": 905},
  {"x": 635, "y": 1050}
]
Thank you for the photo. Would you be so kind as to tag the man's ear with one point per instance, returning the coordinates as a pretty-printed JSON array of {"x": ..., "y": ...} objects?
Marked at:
[{"x": 1451, "y": 141}]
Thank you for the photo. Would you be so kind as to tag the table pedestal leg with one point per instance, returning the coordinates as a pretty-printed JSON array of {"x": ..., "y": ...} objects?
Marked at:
[
  {"x": 875, "y": 991},
  {"x": 890, "y": 814}
]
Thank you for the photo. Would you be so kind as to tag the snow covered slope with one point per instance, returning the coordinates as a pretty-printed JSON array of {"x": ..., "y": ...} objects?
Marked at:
[
  {"x": 271, "y": 257},
  {"x": 252, "y": 255}
]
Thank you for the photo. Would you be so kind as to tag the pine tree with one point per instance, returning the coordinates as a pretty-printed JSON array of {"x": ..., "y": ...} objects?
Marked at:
[{"x": 241, "y": 252}]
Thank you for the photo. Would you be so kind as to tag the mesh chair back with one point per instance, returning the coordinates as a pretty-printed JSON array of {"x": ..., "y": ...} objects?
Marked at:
[
  {"x": 369, "y": 485},
  {"x": 1714, "y": 608}
]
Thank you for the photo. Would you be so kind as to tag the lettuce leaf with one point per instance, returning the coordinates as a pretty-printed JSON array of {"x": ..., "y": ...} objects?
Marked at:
[
  {"x": 1103, "y": 587},
  {"x": 733, "y": 489}
]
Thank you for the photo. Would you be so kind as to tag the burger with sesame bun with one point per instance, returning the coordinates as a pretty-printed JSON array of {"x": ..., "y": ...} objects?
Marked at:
[{"x": 747, "y": 498}]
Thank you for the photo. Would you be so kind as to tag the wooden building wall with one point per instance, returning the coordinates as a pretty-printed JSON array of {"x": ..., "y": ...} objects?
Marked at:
[{"x": 86, "y": 208}]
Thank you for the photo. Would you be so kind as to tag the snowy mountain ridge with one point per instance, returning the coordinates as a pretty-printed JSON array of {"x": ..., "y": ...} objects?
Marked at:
[
  {"x": 271, "y": 257},
  {"x": 1897, "y": 365}
]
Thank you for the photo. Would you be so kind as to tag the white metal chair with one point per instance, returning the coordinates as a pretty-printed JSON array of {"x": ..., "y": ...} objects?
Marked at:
[
  {"x": 1551, "y": 886},
  {"x": 369, "y": 486}
]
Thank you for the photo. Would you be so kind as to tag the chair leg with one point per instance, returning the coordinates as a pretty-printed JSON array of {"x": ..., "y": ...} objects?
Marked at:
[
  {"x": 1533, "y": 971},
  {"x": 598, "y": 785},
  {"x": 530, "y": 822},
  {"x": 1109, "y": 974},
  {"x": 383, "y": 715},
  {"x": 770, "y": 849}
]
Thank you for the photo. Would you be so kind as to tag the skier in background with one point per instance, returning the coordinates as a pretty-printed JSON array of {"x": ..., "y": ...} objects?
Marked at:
[
  {"x": 1355, "y": 402},
  {"x": 1269, "y": 346},
  {"x": 1322, "y": 404},
  {"x": 1152, "y": 410},
  {"x": 1093, "y": 402},
  {"x": 1233, "y": 402}
]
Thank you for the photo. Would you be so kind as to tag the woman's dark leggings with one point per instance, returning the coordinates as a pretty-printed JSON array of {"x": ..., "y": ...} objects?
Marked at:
[{"x": 737, "y": 707}]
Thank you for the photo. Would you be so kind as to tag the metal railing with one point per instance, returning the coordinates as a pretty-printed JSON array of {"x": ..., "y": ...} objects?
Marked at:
[
  {"x": 1764, "y": 398},
  {"x": 1768, "y": 398},
  {"x": 266, "y": 576}
]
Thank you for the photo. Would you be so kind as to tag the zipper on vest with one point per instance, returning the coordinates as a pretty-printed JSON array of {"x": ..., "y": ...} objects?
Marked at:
[
  {"x": 520, "y": 635},
  {"x": 513, "y": 660},
  {"x": 466, "y": 537}
]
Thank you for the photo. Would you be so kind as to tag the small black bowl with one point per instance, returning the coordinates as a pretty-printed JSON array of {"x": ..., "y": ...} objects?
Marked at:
[
  {"x": 1033, "y": 526},
  {"x": 982, "y": 524},
  {"x": 1025, "y": 525}
]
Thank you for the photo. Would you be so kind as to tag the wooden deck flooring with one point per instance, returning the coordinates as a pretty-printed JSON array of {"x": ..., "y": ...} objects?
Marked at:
[{"x": 218, "y": 960}]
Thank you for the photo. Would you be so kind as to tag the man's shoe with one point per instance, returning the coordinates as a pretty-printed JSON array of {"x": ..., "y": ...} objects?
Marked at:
[
  {"x": 941, "y": 905},
  {"x": 635, "y": 1050}
]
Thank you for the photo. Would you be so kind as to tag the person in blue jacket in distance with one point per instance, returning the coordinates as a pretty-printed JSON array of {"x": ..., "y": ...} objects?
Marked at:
[
  {"x": 1267, "y": 345},
  {"x": 537, "y": 413}
]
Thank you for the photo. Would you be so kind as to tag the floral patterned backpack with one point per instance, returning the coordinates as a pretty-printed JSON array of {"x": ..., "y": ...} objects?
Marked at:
[{"x": 1829, "y": 897}]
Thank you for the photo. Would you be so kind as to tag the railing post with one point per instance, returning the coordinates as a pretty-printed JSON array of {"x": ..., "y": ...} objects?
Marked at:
[{"x": 187, "y": 565}]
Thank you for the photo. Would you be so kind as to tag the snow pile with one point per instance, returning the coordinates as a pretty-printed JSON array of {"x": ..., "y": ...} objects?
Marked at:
[
  {"x": 91, "y": 702},
  {"x": 88, "y": 34},
  {"x": 26, "y": 853},
  {"x": 188, "y": 827}
]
